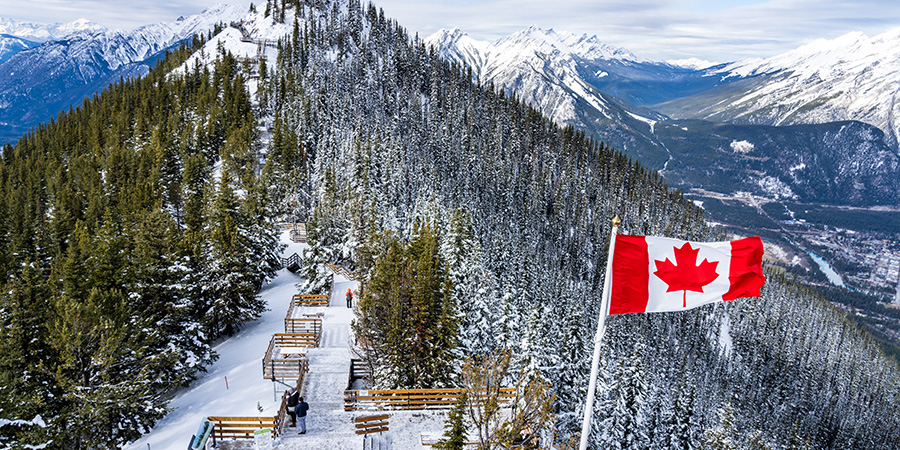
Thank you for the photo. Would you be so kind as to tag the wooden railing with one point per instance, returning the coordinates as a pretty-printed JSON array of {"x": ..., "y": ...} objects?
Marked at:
[
  {"x": 298, "y": 229},
  {"x": 341, "y": 270},
  {"x": 299, "y": 300},
  {"x": 371, "y": 424},
  {"x": 358, "y": 371},
  {"x": 415, "y": 398},
  {"x": 291, "y": 263},
  {"x": 285, "y": 358},
  {"x": 298, "y": 233},
  {"x": 303, "y": 325},
  {"x": 242, "y": 427}
]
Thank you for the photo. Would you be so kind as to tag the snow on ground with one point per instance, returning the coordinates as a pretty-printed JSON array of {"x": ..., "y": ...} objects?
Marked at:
[
  {"x": 240, "y": 361},
  {"x": 328, "y": 425}
]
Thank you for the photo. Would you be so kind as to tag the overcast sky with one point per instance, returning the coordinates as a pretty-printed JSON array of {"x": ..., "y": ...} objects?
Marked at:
[{"x": 713, "y": 30}]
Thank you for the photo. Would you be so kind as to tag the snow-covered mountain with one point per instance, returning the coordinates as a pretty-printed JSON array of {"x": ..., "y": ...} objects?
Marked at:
[
  {"x": 541, "y": 66},
  {"x": 41, "y": 81},
  {"x": 853, "y": 77},
  {"x": 610, "y": 93},
  {"x": 46, "y": 32},
  {"x": 10, "y": 45},
  {"x": 562, "y": 73}
]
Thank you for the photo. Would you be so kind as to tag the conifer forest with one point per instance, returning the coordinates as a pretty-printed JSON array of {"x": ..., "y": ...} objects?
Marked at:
[{"x": 137, "y": 229}]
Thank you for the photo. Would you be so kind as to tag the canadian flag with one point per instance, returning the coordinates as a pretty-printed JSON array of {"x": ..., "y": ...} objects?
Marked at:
[{"x": 655, "y": 274}]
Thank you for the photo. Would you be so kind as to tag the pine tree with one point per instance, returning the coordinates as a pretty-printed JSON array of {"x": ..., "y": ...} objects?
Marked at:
[
  {"x": 407, "y": 319},
  {"x": 455, "y": 429},
  {"x": 230, "y": 285}
]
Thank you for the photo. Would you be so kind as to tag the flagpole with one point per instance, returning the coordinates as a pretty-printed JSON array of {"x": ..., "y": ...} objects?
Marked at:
[{"x": 601, "y": 328}]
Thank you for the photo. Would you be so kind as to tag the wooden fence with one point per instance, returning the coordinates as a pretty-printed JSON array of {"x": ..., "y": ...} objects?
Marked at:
[
  {"x": 285, "y": 358},
  {"x": 298, "y": 229},
  {"x": 291, "y": 263},
  {"x": 415, "y": 398},
  {"x": 298, "y": 234},
  {"x": 299, "y": 300},
  {"x": 241, "y": 427},
  {"x": 358, "y": 371},
  {"x": 244, "y": 427},
  {"x": 371, "y": 424},
  {"x": 303, "y": 325},
  {"x": 341, "y": 270}
]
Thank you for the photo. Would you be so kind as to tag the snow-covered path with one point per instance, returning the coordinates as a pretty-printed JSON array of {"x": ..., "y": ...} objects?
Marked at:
[{"x": 328, "y": 425}]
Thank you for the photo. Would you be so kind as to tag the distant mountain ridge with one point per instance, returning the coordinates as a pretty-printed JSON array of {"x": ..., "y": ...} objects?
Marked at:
[
  {"x": 852, "y": 77},
  {"x": 10, "y": 45},
  {"x": 612, "y": 94},
  {"x": 41, "y": 81},
  {"x": 45, "y": 32}
]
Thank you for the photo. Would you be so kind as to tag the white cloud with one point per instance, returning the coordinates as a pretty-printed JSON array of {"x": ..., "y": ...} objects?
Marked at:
[{"x": 652, "y": 29}]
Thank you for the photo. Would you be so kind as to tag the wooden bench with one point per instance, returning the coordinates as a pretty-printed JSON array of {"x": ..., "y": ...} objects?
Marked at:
[
  {"x": 371, "y": 424},
  {"x": 414, "y": 399}
]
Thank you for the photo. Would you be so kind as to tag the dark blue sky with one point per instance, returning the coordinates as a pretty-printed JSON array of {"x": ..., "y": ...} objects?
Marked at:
[{"x": 652, "y": 29}]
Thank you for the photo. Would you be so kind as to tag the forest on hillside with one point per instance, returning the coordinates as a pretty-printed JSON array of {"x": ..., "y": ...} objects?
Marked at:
[
  {"x": 135, "y": 234},
  {"x": 137, "y": 230}
]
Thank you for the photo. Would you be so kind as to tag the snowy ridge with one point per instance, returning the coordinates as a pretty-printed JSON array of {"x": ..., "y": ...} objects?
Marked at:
[
  {"x": 691, "y": 63},
  {"x": 852, "y": 77},
  {"x": 10, "y": 45},
  {"x": 541, "y": 66},
  {"x": 260, "y": 29}
]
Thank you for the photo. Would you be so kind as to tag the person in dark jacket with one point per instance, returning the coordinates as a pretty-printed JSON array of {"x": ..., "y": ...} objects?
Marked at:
[
  {"x": 349, "y": 298},
  {"x": 301, "y": 410},
  {"x": 292, "y": 401}
]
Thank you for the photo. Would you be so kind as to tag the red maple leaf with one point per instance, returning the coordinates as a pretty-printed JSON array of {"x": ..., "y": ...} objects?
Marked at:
[{"x": 686, "y": 275}]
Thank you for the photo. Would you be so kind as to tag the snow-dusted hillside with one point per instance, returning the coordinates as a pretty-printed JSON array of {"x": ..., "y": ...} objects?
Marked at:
[
  {"x": 853, "y": 77},
  {"x": 41, "y": 81}
]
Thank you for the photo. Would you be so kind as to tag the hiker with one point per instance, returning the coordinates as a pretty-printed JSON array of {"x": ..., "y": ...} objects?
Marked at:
[
  {"x": 349, "y": 298},
  {"x": 293, "y": 399},
  {"x": 301, "y": 409}
]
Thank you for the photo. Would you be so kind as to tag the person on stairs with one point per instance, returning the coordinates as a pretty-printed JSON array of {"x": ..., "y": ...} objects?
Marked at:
[
  {"x": 349, "y": 298},
  {"x": 293, "y": 400},
  {"x": 301, "y": 410}
]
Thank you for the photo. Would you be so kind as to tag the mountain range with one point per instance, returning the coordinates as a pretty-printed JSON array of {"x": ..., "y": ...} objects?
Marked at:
[
  {"x": 811, "y": 125},
  {"x": 80, "y": 59},
  {"x": 685, "y": 122}
]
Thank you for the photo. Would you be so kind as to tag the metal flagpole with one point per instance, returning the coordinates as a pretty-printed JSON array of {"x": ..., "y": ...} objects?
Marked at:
[{"x": 601, "y": 328}]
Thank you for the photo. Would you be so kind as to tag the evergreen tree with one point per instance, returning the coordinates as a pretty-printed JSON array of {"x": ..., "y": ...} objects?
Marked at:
[{"x": 407, "y": 320}]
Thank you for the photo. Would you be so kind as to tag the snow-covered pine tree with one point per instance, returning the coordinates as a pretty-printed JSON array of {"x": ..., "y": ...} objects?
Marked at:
[{"x": 229, "y": 285}]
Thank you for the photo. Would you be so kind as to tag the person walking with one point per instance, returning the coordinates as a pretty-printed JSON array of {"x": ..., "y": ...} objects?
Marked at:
[
  {"x": 293, "y": 399},
  {"x": 349, "y": 298},
  {"x": 302, "y": 408}
]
